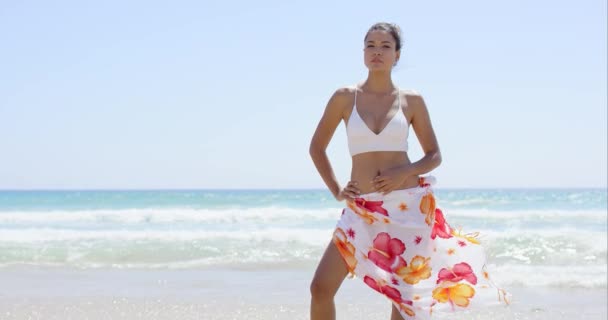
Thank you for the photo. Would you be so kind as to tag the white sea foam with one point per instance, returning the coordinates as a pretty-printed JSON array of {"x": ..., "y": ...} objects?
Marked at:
[
  {"x": 262, "y": 215},
  {"x": 36, "y": 235},
  {"x": 572, "y": 276},
  {"x": 232, "y": 215},
  {"x": 571, "y": 252}
]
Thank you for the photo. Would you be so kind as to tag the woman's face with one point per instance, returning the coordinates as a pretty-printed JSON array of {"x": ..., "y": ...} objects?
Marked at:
[{"x": 379, "y": 51}]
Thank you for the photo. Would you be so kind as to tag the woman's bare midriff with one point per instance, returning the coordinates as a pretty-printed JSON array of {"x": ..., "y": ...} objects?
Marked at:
[{"x": 366, "y": 166}]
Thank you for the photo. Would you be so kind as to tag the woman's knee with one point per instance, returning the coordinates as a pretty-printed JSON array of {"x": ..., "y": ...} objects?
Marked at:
[
  {"x": 329, "y": 275},
  {"x": 322, "y": 290}
]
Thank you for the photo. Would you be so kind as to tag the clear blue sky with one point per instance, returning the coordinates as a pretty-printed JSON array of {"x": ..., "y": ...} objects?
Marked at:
[{"x": 189, "y": 94}]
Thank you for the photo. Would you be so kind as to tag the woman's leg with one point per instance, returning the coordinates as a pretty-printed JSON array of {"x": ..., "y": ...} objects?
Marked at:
[
  {"x": 395, "y": 315},
  {"x": 327, "y": 280}
]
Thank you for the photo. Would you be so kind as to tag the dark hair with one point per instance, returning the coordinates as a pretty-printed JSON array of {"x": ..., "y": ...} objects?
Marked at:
[{"x": 391, "y": 28}]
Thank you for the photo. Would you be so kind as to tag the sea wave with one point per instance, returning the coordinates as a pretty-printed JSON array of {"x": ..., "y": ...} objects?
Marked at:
[{"x": 264, "y": 215}]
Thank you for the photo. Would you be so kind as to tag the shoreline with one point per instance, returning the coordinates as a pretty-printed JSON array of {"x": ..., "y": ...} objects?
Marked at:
[{"x": 63, "y": 293}]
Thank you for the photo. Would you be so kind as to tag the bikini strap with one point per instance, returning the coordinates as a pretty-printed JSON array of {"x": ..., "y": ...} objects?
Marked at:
[{"x": 399, "y": 97}]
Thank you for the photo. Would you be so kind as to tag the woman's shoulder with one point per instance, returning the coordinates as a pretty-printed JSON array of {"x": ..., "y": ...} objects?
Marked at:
[
  {"x": 413, "y": 98},
  {"x": 409, "y": 93},
  {"x": 344, "y": 96},
  {"x": 341, "y": 100},
  {"x": 346, "y": 91}
]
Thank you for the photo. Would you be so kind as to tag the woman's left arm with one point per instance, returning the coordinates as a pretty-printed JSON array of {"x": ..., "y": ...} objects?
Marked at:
[
  {"x": 421, "y": 123},
  {"x": 386, "y": 181}
]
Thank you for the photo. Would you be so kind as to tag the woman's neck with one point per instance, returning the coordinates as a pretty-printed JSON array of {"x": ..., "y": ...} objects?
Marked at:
[{"x": 378, "y": 84}]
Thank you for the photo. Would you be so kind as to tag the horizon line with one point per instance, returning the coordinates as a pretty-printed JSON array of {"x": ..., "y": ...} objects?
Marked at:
[{"x": 287, "y": 189}]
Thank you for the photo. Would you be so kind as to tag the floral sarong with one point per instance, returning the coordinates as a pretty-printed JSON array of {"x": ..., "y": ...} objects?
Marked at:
[{"x": 401, "y": 245}]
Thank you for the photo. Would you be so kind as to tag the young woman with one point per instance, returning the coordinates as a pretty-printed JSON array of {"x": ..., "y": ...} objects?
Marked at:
[{"x": 391, "y": 233}]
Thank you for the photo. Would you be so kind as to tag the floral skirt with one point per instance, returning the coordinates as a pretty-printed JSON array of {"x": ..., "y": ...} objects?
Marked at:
[{"x": 401, "y": 245}]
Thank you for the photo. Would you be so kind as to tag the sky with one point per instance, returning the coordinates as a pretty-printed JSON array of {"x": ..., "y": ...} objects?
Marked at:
[{"x": 227, "y": 94}]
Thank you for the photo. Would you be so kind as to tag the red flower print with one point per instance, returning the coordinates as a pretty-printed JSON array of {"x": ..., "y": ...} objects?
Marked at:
[
  {"x": 422, "y": 182},
  {"x": 394, "y": 281},
  {"x": 390, "y": 293},
  {"x": 441, "y": 228},
  {"x": 460, "y": 271},
  {"x": 386, "y": 252},
  {"x": 373, "y": 206},
  {"x": 462, "y": 243},
  {"x": 351, "y": 233},
  {"x": 418, "y": 240}
]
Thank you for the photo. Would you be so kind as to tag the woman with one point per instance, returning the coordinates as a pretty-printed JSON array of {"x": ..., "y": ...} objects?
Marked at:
[{"x": 391, "y": 233}]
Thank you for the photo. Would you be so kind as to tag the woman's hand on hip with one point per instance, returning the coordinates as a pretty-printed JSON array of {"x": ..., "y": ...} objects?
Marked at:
[
  {"x": 389, "y": 180},
  {"x": 349, "y": 192}
]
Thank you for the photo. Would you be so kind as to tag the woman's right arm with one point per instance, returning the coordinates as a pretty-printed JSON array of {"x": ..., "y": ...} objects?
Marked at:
[{"x": 330, "y": 120}]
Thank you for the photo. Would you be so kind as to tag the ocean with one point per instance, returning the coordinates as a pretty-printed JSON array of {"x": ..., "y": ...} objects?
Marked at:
[{"x": 552, "y": 238}]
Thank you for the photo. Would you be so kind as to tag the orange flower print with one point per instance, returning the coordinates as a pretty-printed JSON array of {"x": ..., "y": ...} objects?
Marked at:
[
  {"x": 362, "y": 213},
  {"x": 454, "y": 293},
  {"x": 470, "y": 237},
  {"x": 427, "y": 207},
  {"x": 390, "y": 293},
  {"x": 418, "y": 269},
  {"x": 346, "y": 249},
  {"x": 402, "y": 206},
  {"x": 449, "y": 290},
  {"x": 451, "y": 251}
]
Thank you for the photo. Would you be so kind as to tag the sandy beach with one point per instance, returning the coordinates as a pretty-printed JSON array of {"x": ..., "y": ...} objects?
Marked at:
[{"x": 61, "y": 293}]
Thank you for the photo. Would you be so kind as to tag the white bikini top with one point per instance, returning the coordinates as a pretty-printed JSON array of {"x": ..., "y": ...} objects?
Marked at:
[{"x": 393, "y": 136}]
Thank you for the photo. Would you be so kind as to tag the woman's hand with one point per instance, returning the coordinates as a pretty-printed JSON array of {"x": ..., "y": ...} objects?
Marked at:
[
  {"x": 390, "y": 179},
  {"x": 350, "y": 192}
]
